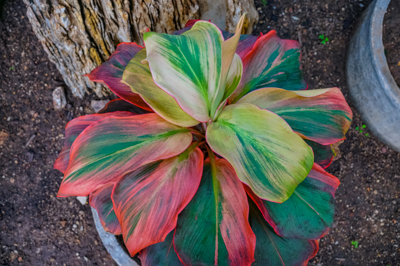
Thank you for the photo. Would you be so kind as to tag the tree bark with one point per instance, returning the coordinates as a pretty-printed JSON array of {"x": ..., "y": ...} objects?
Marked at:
[{"x": 79, "y": 35}]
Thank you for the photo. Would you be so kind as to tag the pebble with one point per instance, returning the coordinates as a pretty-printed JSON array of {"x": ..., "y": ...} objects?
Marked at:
[
  {"x": 82, "y": 200},
  {"x": 59, "y": 100},
  {"x": 98, "y": 105}
]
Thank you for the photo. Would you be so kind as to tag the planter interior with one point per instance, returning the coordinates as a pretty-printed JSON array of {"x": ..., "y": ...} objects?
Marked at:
[{"x": 372, "y": 87}]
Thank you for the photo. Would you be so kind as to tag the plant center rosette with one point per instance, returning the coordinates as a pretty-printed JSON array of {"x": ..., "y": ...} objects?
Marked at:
[{"x": 214, "y": 154}]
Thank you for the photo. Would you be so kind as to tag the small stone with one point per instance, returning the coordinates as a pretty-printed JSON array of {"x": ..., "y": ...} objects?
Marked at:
[
  {"x": 59, "y": 100},
  {"x": 98, "y": 105},
  {"x": 82, "y": 200},
  {"x": 63, "y": 223},
  {"x": 12, "y": 180},
  {"x": 384, "y": 150},
  {"x": 74, "y": 226},
  {"x": 20, "y": 259}
]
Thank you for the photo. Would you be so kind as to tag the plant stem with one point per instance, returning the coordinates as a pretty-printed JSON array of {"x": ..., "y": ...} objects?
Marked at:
[
  {"x": 194, "y": 132},
  {"x": 201, "y": 143},
  {"x": 204, "y": 125}
]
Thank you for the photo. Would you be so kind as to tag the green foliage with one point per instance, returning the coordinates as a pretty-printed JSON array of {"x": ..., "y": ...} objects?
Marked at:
[{"x": 323, "y": 39}]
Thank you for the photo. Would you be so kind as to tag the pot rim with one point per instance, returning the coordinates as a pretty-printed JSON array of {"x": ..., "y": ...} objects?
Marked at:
[
  {"x": 111, "y": 244},
  {"x": 372, "y": 87}
]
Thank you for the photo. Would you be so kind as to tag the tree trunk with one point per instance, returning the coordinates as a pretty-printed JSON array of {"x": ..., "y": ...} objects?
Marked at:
[{"x": 79, "y": 35}]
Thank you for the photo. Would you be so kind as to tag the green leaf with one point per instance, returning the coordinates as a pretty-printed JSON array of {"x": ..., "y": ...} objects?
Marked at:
[
  {"x": 110, "y": 73},
  {"x": 113, "y": 146},
  {"x": 320, "y": 115},
  {"x": 138, "y": 77},
  {"x": 308, "y": 213},
  {"x": 266, "y": 154},
  {"x": 195, "y": 66},
  {"x": 213, "y": 229},
  {"x": 162, "y": 253},
  {"x": 272, "y": 62},
  {"x": 74, "y": 128},
  {"x": 272, "y": 249},
  {"x": 100, "y": 199},
  {"x": 188, "y": 67},
  {"x": 147, "y": 201},
  {"x": 323, "y": 154}
]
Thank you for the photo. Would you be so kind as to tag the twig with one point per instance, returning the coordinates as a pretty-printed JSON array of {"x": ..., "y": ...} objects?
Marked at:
[
  {"x": 30, "y": 140},
  {"x": 298, "y": 33}
]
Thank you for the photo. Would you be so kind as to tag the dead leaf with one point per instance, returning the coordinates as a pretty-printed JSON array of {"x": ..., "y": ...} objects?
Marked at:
[{"x": 3, "y": 137}]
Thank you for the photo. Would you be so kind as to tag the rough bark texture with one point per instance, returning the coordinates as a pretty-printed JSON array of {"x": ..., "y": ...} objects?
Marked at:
[{"x": 78, "y": 35}]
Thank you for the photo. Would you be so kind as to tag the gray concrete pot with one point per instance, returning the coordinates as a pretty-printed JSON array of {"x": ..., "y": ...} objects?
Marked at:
[
  {"x": 112, "y": 245},
  {"x": 372, "y": 87}
]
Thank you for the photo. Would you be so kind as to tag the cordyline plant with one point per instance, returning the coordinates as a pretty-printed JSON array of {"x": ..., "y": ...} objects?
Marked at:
[{"x": 225, "y": 166}]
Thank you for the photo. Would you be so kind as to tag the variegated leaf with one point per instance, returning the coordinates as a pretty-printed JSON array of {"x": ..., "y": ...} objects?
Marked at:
[
  {"x": 272, "y": 62},
  {"x": 110, "y": 73},
  {"x": 162, "y": 253},
  {"x": 308, "y": 213},
  {"x": 272, "y": 249},
  {"x": 72, "y": 131},
  {"x": 137, "y": 75},
  {"x": 113, "y": 146},
  {"x": 213, "y": 229},
  {"x": 100, "y": 199},
  {"x": 148, "y": 200},
  {"x": 266, "y": 154},
  {"x": 320, "y": 115}
]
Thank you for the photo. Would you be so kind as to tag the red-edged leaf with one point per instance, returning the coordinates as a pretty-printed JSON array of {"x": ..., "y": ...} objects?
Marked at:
[
  {"x": 323, "y": 154},
  {"x": 148, "y": 200},
  {"x": 266, "y": 154},
  {"x": 246, "y": 42},
  {"x": 214, "y": 229},
  {"x": 162, "y": 253},
  {"x": 72, "y": 131},
  {"x": 272, "y": 62},
  {"x": 191, "y": 22},
  {"x": 321, "y": 115},
  {"x": 308, "y": 213},
  {"x": 100, "y": 199},
  {"x": 113, "y": 146},
  {"x": 110, "y": 73},
  {"x": 274, "y": 250},
  {"x": 121, "y": 105}
]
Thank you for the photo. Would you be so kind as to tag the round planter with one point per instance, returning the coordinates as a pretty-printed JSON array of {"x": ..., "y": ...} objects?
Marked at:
[
  {"x": 372, "y": 87},
  {"x": 110, "y": 242}
]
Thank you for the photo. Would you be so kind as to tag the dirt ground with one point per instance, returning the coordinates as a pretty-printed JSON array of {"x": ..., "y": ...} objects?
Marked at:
[
  {"x": 391, "y": 38},
  {"x": 36, "y": 228}
]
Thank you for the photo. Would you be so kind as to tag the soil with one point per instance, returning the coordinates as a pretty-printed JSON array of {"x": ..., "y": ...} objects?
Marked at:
[
  {"x": 37, "y": 228},
  {"x": 391, "y": 38}
]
